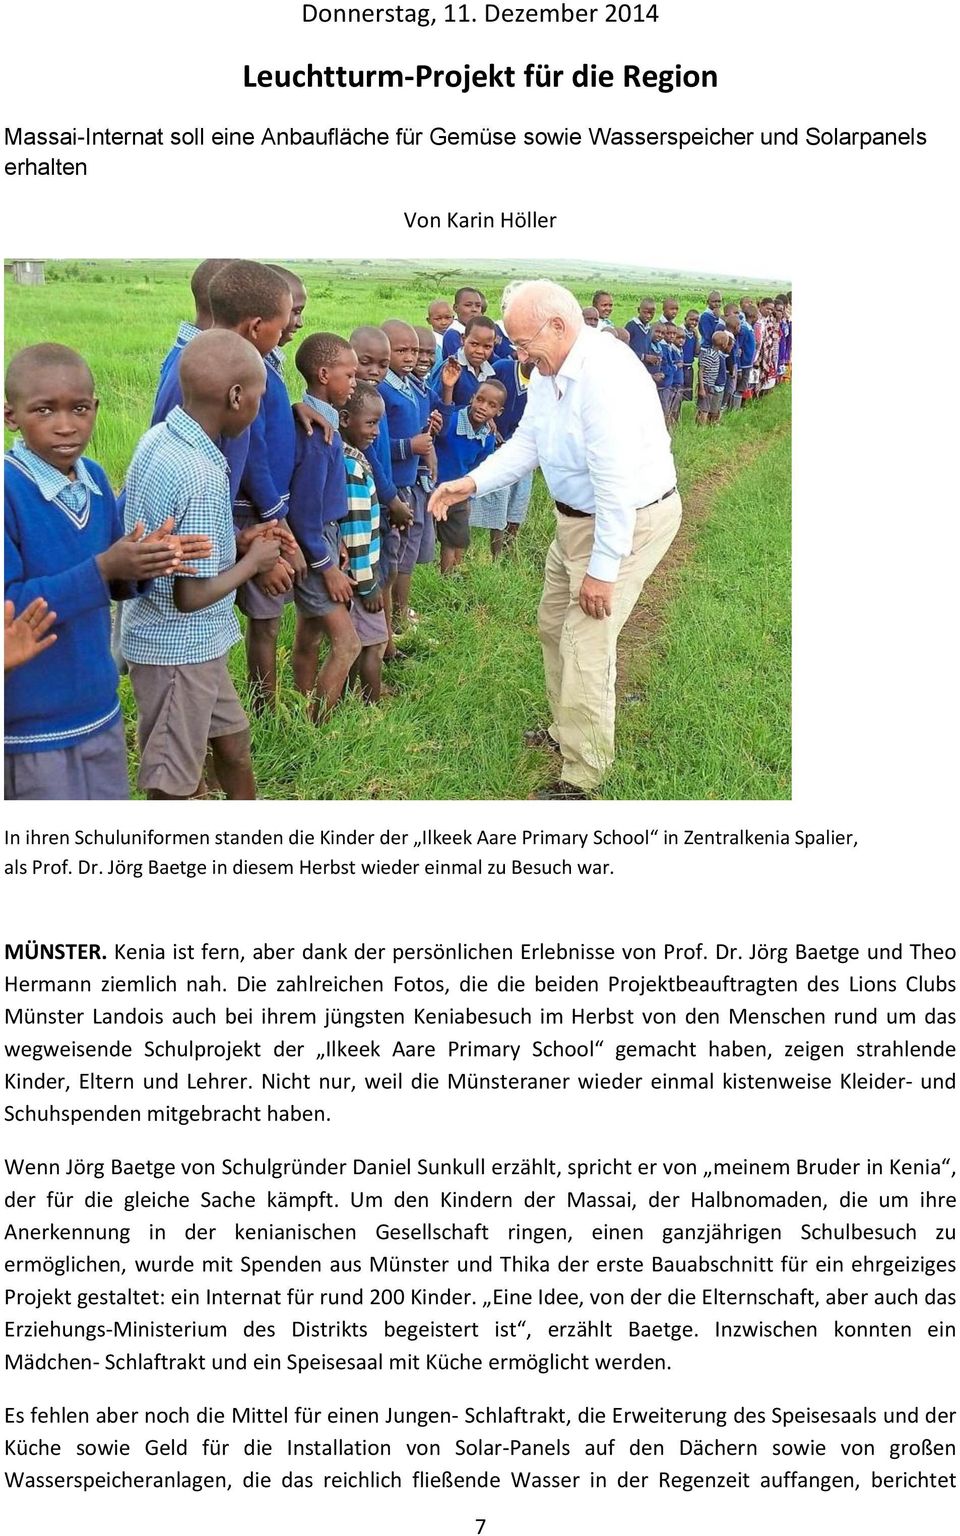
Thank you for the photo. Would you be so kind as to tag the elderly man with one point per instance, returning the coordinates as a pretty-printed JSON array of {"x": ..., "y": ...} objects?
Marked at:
[{"x": 594, "y": 425}]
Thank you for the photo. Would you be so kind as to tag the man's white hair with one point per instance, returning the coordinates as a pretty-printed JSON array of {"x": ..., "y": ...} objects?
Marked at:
[{"x": 543, "y": 301}]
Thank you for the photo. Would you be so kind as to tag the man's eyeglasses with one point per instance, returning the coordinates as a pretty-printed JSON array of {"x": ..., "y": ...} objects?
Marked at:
[{"x": 523, "y": 347}]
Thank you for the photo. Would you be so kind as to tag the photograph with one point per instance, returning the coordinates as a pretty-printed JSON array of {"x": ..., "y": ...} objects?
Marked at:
[{"x": 394, "y": 530}]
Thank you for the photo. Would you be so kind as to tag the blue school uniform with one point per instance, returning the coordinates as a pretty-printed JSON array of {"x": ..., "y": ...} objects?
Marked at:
[
  {"x": 430, "y": 401},
  {"x": 503, "y": 351},
  {"x": 430, "y": 398},
  {"x": 186, "y": 333},
  {"x": 54, "y": 528},
  {"x": 460, "y": 445},
  {"x": 234, "y": 449},
  {"x": 403, "y": 410},
  {"x": 746, "y": 346},
  {"x": 508, "y": 372},
  {"x": 452, "y": 340},
  {"x": 318, "y": 493},
  {"x": 641, "y": 340},
  {"x": 668, "y": 362},
  {"x": 378, "y": 457},
  {"x": 468, "y": 382},
  {"x": 708, "y": 324},
  {"x": 265, "y": 487}
]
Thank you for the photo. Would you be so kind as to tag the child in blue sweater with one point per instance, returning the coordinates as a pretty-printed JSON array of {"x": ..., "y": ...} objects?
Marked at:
[
  {"x": 202, "y": 319},
  {"x": 248, "y": 298},
  {"x": 691, "y": 350},
  {"x": 467, "y": 302},
  {"x": 504, "y": 511},
  {"x": 64, "y": 541},
  {"x": 372, "y": 346},
  {"x": 475, "y": 357},
  {"x": 411, "y": 442},
  {"x": 262, "y": 499},
  {"x": 466, "y": 438},
  {"x": 429, "y": 402},
  {"x": 359, "y": 427},
  {"x": 317, "y": 510}
]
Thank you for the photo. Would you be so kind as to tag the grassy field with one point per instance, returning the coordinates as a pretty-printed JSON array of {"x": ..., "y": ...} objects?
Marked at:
[{"x": 705, "y": 662}]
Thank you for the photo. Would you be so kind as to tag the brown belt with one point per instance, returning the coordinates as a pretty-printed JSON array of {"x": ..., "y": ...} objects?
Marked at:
[{"x": 572, "y": 511}]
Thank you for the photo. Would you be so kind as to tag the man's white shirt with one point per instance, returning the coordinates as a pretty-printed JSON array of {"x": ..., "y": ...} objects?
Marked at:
[{"x": 596, "y": 429}]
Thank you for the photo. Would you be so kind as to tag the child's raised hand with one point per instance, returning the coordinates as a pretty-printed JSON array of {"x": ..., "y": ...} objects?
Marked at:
[
  {"x": 27, "y": 634},
  {"x": 134, "y": 558},
  {"x": 450, "y": 372},
  {"x": 435, "y": 423}
]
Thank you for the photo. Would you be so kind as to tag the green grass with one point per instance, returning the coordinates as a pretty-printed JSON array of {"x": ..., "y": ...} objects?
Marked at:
[
  {"x": 713, "y": 720},
  {"x": 713, "y": 717}
]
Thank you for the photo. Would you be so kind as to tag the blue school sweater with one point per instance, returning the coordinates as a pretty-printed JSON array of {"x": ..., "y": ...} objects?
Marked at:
[
  {"x": 186, "y": 333},
  {"x": 378, "y": 457},
  {"x": 708, "y": 324},
  {"x": 690, "y": 340},
  {"x": 403, "y": 411},
  {"x": 508, "y": 372},
  {"x": 234, "y": 449},
  {"x": 503, "y": 351},
  {"x": 429, "y": 396},
  {"x": 318, "y": 497},
  {"x": 460, "y": 445},
  {"x": 746, "y": 346},
  {"x": 641, "y": 341},
  {"x": 265, "y": 487},
  {"x": 452, "y": 340},
  {"x": 68, "y": 693},
  {"x": 467, "y": 384}
]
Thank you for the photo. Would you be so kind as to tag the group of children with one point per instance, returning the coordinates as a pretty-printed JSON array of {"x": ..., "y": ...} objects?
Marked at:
[
  {"x": 233, "y": 498},
  {"x": 716, "y": 360}
]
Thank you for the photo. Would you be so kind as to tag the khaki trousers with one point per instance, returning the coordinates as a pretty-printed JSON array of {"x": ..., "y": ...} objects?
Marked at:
[{"x": 580, "y": 653}]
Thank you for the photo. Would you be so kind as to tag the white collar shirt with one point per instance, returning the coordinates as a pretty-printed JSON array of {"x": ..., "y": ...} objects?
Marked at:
[{"x": 596, "y": 430}]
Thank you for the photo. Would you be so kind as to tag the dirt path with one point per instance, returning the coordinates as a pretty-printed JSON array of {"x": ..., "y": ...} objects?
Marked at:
[{"x": 639, "y": 635}]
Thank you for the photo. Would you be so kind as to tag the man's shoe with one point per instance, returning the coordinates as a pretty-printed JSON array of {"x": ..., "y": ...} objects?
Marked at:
[
  {"x": 560, "y": 791},
  {"x": 540, "y": 738}
]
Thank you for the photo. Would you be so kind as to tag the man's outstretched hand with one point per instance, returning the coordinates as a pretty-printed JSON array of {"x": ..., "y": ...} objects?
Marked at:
[{"x": 449, "y": 494}]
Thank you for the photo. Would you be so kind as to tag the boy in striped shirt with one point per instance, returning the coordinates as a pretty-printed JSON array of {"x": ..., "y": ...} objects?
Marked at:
[
  {"x": 713, "y": 377},
  {"x": 360, "y": 532}
]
